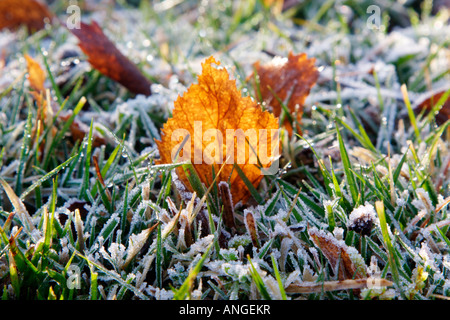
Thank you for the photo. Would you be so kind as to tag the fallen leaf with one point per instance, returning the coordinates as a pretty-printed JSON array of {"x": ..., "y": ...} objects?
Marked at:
[
  {"x": 104, "y": 56},
  {"x": 427, "y": 102},
  {"x": 31, "y": 13},
  {"x": 214, "y": 109},
  {"x": 36, "y": 75},
  {"x": 338, "y": 254},
  {"x": 289, "y": 81}
]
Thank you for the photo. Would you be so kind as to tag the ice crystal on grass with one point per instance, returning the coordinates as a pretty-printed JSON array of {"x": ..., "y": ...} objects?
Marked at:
[
  {"x": 115, "y": 254},
  {"x": 422, "y": 202}
]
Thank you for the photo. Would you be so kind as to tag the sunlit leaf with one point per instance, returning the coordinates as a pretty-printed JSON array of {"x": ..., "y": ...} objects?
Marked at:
[
  {"x": 211, "y": 113},
  {"x": 287, "y": 81}
]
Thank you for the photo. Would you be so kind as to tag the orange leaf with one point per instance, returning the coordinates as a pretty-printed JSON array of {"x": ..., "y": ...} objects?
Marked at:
[
  {"x": 287, "y": 79},
  {"x": 14, "y": 13},
  {"x": 36, "y": 75},
  {"x": 338, "y": 254},
  {"x": 211, "y": 113},
  {"x": 106, "y": 58}
]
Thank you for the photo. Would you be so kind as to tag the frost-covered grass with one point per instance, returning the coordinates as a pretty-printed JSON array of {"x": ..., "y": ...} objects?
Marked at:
[{"x": 366, "y": 171}]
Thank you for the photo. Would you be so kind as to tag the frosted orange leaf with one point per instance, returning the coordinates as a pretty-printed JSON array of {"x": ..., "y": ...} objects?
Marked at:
[
  {"x": 36, "y": 75},
  {"x": 207, "y": 112},
  {"x": 288, "y": 80}
]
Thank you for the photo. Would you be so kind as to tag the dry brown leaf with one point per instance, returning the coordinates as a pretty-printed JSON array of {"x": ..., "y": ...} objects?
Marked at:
[
  {"x": 288, "y": 80},
  {"x": 427, "y": 101},
  {"x": 337, "y": 254},
  {"x": 104, "y": 56},
  {"x": 32, "y": 13},
  {"x": 215, "y": 105}
]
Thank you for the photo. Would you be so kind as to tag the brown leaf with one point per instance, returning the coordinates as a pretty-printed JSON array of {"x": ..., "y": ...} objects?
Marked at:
[
  {"x": 286, "y": 80},
  {"x": 337, "y": 254},
  {"x": 207, "y": 115},
  {"x": 106, "y": 58},
  {"x": 31, "y": 13},
  {"x": 427, "y": 102}
]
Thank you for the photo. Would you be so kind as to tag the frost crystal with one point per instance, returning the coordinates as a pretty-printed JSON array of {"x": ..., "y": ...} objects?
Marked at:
[
  {"x": 423, "y": 202},
  {"x": 200, "y": 246},
  {"x": 177, "y": 273},
  {"x": 239, "y": 240},
  {"x": 403, "y": 199},
  {"x": 115, "y": 254},
  {"x": 338, "y": 233},
  {"x": 230, "y": 254}
]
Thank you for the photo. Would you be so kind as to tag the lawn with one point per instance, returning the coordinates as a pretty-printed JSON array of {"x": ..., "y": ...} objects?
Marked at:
[{"x": 357, "y": 208}]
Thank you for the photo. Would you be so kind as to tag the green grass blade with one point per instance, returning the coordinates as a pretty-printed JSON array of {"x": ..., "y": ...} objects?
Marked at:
[
  {"x": 113, "y": 275},
  {"x": 63, "y": 131},
  {"x": 347, "y": 168},
  {"x": 259, "y": 282},
  {"x": 149, "y": 126},
  {"x": 185, "y": 289},
  {"x": 255, "y": 194},
  {"x": 278, "y": 277},
  {"x": 87, "y": 164},
  {"x": 24, "y": 153},
  {"x": 159, "y": 258},
  {"x": 398, "y": 169},
  {"x": 52, "y": 79},
  {"x": 47, "y": 176},
  {"x": 94, "y": 285},
  {"x": 194, "y": 179},
  {"x": 412, "y": 117},
  {"x": 379, "y": 206}
]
